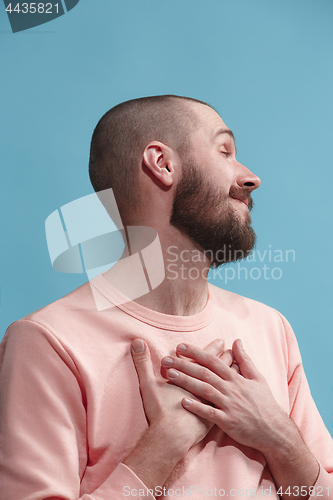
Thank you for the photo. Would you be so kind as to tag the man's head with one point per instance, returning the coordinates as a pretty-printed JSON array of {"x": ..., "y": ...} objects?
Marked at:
[{"x": 177, "y": 157}]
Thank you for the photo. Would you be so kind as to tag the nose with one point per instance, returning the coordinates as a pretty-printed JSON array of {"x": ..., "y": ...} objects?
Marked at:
[{"x": 246, "y": 179}]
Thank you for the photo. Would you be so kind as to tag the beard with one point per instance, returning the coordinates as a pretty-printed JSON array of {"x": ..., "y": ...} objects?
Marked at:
[{"x": 202, "y": 212}]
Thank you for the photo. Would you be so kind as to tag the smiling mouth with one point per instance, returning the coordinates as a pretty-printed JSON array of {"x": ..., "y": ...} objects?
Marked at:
[{"x": 245, "y": 202}]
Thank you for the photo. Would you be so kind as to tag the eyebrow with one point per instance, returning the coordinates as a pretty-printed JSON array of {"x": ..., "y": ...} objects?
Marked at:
[{"x": 227, "y": 131}]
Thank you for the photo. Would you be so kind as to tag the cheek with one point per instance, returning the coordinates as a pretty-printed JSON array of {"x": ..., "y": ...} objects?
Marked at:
[
  {"x": 223, "y": 183},
  {"x": 223, "y": 174},
  {"x": 219, "y": 173}
]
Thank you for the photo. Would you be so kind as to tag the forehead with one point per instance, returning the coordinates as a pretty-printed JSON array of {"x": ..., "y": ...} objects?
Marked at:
[{"x": 210, "y": 122}]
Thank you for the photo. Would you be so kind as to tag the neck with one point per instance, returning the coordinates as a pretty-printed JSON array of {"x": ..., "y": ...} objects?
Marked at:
[{"x": 184, "y": 289}]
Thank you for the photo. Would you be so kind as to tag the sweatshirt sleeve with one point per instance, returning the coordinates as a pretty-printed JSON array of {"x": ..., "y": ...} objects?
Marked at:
[
  {"x": 43, "y": 443},
  {"x": 305, "y": 414}
]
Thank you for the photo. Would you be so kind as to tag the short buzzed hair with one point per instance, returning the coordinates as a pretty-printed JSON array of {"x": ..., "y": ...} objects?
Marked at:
[{"x": 122, "y": 134}]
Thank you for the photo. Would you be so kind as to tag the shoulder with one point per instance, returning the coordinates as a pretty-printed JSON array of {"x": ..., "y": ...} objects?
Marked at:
[
  {"x": 58, "y": 320},
  {"x": 261, "y": 320},
  {"x": 79, "y": 299},
  {"x": 240, "y": 305},
  {"x": 253, "y": 313}
]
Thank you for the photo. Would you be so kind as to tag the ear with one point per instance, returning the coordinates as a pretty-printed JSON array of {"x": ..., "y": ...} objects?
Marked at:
[{"x": 161, "y": 160}]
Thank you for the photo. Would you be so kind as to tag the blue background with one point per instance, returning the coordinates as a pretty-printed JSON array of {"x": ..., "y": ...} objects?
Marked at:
[{"x": 267, "y": 68}]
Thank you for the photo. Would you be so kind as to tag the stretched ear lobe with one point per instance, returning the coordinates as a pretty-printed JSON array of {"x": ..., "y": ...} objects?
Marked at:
[{"x": 158, "y": 158}]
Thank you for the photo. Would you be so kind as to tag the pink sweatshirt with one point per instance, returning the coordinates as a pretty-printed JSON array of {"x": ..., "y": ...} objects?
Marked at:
[{"x": 71, "y": 411}]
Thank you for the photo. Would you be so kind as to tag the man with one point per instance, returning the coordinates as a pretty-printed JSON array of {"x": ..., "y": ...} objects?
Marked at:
[{"x": 210, "y": 420}]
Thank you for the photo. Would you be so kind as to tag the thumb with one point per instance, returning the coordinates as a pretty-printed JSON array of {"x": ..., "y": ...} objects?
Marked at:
[
  {"x": 142, "y": 362},
  {"x": 245, "y": 363}
]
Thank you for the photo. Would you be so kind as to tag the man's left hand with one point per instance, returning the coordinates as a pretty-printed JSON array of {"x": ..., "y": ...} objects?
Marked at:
[{"x": 243, "y": 405}]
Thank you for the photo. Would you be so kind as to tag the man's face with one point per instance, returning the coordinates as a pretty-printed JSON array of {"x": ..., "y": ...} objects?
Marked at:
[{"x": 212, "y": 199}]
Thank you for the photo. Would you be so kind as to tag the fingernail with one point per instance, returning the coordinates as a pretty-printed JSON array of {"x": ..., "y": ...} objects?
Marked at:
[
  {"x": 167, "y": 361},
  {"x": 173, "y": 374},
  {"x": 187, "y": 402},
  {"x": 221, "y": 343},
  {"x": 240, "y": 344},
  {"x": 181, "y": 348},
  {"x": 138, "y": 346}
]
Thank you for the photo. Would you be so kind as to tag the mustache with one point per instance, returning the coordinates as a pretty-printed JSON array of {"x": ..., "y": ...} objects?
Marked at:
[{"x": 242, "y": 194}]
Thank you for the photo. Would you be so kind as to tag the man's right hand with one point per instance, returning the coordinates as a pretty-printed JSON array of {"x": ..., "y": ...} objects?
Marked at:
[
  {"x": 162, "y": 400},
  {"x": 172, "y": 430}
]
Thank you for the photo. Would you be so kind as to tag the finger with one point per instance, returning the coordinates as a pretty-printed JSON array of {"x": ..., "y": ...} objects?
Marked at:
[
  {"x": 194, "y": 370},
  {"x": 216, "y": 348},
  {"x": 197, "y": 387},
  {"x": 203, "y": 358},
  {"x": 202, "y": 410},
  {"x": 227, "y": 357},
  {"x": 235, "y": 367},
  {"x": 142, "y": 362},
  {"x": 245, "y": 363}
]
